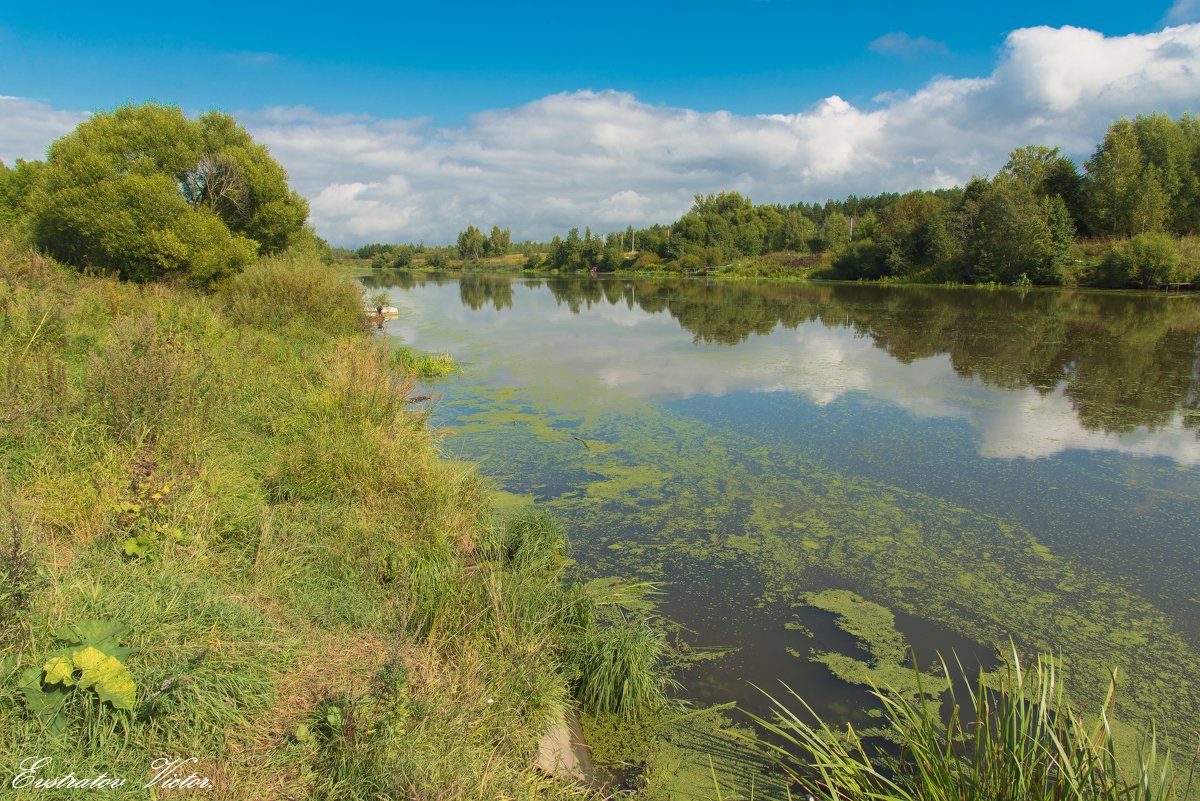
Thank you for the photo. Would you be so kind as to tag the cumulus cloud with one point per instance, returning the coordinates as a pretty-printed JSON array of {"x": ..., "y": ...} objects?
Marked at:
[
  {"x": 1182, "y": 11},
  {"x": 606, "y": 159},
  {"x": 27, "y": 127},
  {"x": 899, "y": 43}
]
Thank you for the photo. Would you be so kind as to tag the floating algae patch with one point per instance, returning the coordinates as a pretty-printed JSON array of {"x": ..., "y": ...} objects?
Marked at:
[
  {"x": 890, "y": 665},
  {"x": 661, "y": 495}
]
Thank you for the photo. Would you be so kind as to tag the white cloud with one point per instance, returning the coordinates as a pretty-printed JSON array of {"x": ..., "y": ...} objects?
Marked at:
[
  {"x": 608, "y": 160},
  {"x": 27, "y": 127},
  {"x": 899, "y": 43},
  {"x": 1182, "y": 11}
]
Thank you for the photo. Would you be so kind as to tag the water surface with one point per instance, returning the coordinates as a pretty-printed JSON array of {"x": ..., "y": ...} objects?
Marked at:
[{"x": 985, "y": 465}]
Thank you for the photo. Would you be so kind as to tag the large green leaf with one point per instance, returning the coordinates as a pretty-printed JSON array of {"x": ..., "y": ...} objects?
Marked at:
[
  {"x": 47, "y": 702},
  {"x": 100, "y": 634}
]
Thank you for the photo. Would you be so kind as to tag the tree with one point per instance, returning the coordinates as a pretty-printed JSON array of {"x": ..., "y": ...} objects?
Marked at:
[
  {"x": 913, "y": 234},
  {"x": 1007, "y": 233},
  {"x": 499, "y": 241},
  {"x": 471, "y": 243},
  {"x": 146, "y": 192},
  {"x": 796, "y": 232},
  {"x": 835, "y": 231},
  {"x": 1048, "y": 173},
  {"x": 1131, "y": 194}
]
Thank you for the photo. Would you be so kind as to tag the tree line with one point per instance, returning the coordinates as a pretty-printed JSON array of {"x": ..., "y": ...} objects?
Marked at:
[
  {"x": 145, "y": 192},
  {"x": 1129, "y": 218}
]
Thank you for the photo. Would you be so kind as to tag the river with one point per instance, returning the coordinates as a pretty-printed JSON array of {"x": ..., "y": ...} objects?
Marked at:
[{"x": 983, "y": 465}]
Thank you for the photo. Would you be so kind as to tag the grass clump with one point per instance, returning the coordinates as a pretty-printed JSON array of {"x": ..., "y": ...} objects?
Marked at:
[
  {"x": 284, "y": 290},
  {"x": 1016, "y": 737}
]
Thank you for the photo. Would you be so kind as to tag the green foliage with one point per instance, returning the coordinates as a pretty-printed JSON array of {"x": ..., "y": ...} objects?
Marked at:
[
  {"x": 148, "y": 521},
  {"x": 16, "y": 187},
  {"x": 499, "y": 241},
  {"x": 471, "y": 243},
  {"x": 1009, "y": 233},
  {"x": 1142, "y": 177},
  {"x": 533, "y": 544},
  {"x": 285, "y": 291},
  {"x": 619, "y": 669},
  {"x": 91, "y": 659},
  {"x": 145, "y": 192},
  {"x": 1017, "y": 737},
  {"x": 1146, "y": 260}
]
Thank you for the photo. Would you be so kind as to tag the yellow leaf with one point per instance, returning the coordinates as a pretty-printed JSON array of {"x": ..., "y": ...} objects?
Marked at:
[
  {"x": 107, "y": 675},
  {"x": 59, "y": 671}
]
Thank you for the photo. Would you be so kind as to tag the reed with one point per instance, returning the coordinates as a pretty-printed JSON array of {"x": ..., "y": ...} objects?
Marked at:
[{"x": 1014, "y": 738}]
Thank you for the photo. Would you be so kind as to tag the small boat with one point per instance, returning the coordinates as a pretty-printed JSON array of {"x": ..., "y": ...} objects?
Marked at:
[{"x": 386, "y": 311}]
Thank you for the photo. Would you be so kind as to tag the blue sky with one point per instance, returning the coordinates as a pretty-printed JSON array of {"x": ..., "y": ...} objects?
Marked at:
[
  {"x": 447, "y": 60},
  {"x": 407, "y": 122}
]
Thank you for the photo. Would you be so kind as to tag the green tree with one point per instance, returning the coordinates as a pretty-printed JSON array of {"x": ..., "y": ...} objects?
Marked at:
[
  {"x": 1007, "y": 232},
  {"x": 471, "y": 243},
  {"x": 239, "y": 180},
  {"x": 913, "y": 235},
  {"x": 1049, "y": 173},
  {"x": 16, "y": 187},
  {"x": 499, "y": 241},
  {"x": 796, "y": 233},
  {"x": 1137, "y": 174},
  {"x": 146, "y": 192},
  {"x": 835, "y": 231}
]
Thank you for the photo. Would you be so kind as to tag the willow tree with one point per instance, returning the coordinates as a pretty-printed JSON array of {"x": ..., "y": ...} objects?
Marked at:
[{"x": 146, "y": 192}]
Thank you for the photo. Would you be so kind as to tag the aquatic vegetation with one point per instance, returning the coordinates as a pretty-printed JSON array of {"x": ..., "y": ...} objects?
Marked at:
[
  {"x": 670, "y": 496},
  {"x": 891, "y": 660},
  {"x": 1016, "y": 737},
  {"x": 746, "y": 500}
]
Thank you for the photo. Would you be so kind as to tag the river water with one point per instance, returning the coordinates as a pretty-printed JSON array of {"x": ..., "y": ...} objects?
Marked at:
[{"x": 984, "y": 465}]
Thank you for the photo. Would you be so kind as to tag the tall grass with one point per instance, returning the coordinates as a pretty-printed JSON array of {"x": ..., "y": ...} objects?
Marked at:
[
  {"x": 286, "y": 291},
  {"x": 304, "y": 545},
  {"x": 1016, "y": 738}
]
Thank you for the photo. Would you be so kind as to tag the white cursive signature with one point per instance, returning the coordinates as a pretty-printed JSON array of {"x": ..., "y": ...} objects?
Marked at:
[
  {"x": 167, "y": 772},
  {"x": 27, "y": 777},
  {"x": 166, "y": 775}
]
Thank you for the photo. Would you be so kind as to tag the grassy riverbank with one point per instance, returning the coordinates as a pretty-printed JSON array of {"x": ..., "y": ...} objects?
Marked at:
[{"x": 292, "y": 586}]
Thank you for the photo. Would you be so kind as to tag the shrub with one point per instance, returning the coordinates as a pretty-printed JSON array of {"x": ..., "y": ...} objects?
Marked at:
[
  {"x": 1146, "y": 260},
  {"x": 282, "y": 290}
]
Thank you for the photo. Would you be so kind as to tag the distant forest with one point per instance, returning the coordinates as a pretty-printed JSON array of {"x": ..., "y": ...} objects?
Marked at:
[{"x": 1130, "y": 218}]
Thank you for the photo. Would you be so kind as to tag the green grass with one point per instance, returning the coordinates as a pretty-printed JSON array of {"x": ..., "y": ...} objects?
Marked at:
[
  {"x": 319, "y": 606},
  {"x": 1015, "y": 737}
]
